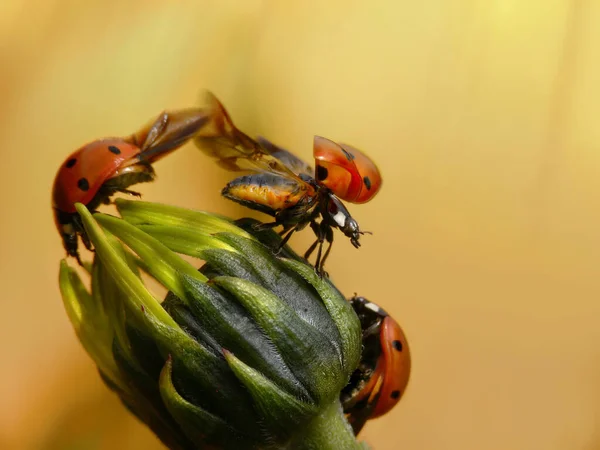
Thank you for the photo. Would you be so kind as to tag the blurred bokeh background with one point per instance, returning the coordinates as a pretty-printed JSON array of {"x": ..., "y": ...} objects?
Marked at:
[{"x": 482, "y": 115}]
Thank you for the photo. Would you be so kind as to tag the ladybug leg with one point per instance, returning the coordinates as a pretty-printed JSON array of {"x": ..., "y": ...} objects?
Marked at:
[
  {"x": 132, "y": 193},
  {"x": 328, "y": 232},
  {"x": 323, "y": 232},
  {"x": 70, "y": 244},
  {"x": 374, "y": 329},
  {"x": 78, "y": 225},
  {"x": 317, "y": 230},
  {"x": 311, "y": 249},
  {"x": 287, "y": 228},
  {"x": 86, "y": 242},
  {"x": 286, "y": 238},
  {"x": 266, "y": 226}
]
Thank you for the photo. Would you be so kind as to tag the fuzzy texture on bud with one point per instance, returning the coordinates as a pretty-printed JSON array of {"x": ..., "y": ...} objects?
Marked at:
[{"x": 250, "y": 352}]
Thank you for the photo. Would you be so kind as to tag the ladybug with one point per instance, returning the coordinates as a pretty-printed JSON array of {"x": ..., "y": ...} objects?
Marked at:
[
  {"x": 99, "y": 169},
  {"x": 378, "y": 383},
  {"x": 288, "y": 189}
]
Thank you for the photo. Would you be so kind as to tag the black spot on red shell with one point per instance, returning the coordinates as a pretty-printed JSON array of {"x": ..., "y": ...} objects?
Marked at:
[
  {"x": 395, "y": 394},
  {"x": 70, "y": 163},
  {"x": 397, "y": 345},
  {"x": 322, "y": 173},
  {"x": 367, "y": 182},
  {"x": 114, "y": 149},
  {"x": 83, "y": 184},
  {"x": 349, "y": 156}
]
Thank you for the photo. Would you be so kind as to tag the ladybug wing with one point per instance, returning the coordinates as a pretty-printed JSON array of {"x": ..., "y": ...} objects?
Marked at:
[
  {"x": 235, "y": 150},
  {"x": 169, "y": 131},
  {"x": 289, "y": 159}
]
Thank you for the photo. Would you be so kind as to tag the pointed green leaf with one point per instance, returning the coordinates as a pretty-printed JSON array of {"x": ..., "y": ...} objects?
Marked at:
[
  {"x": 139, "y": 212},
  {"x": 200, "y": 426},
  {"x": 340, "y": 310},
  {"x": 136, "y": 293},
  {"x": 186, "y": 241},
  {"x": 281, "y": 412},
  {"x": 308, "y": 353},
  {"x": 142, "y": 398},
  {"x": 164, "y": 265},
  {"x": 219, "y": 316},
  {"x": 89, "y": 323},
  {"x": 207, "y": 377},
  {"x": 285, "y": 284}
]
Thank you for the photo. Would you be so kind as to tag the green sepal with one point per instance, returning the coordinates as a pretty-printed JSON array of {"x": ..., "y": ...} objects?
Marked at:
[
  {"x": 310, "y": 356},
  {"x": 136, "y": 295},
  {"x": 268, "y": 237},
  {"x": 199, "y": 425},
  {"x": 281, "y": 412},
  {"x": 207, "y": 379},
  {"x": 186, "y": 241},
  {"x": 143, "y": 399},
  {"x": 285, "y": 284},
  {"x": 166, "y": 266},
  {"x": 230, "y": 263},
  {"x": 146, "y": 213},
  {"x": 220, "y": 316},
  {"x": 106, "y": 292},
  {"x": 190, "y": 323},
  {"x": 89, "y": 321},
  {"x": 340, "y": 311}
]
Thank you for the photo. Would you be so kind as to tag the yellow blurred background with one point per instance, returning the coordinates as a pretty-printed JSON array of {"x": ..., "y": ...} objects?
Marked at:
[{"x": 482, "y": 115}]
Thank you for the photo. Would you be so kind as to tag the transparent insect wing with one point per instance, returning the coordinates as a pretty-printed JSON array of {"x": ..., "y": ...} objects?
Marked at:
[
  {"x": 168, "y": 132},
  {"x": 233, "y": 149},
  {"x": 298, "y": 166}
]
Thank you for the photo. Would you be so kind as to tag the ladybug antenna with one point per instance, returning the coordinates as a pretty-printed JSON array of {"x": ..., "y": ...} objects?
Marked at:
[{"x": 365, "y": 232}]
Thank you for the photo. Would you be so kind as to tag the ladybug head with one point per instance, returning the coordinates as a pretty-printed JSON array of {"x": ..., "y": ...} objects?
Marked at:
[
  {"x": 352, "y": 230},
  {"x": 339, "y": 216}
]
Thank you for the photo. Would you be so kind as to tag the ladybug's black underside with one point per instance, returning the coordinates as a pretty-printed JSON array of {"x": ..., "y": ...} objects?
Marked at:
[
  {"x": 293, "y": 213},
  {"x": 357, "y": 407},
  {"x": 306, "y": 210}
]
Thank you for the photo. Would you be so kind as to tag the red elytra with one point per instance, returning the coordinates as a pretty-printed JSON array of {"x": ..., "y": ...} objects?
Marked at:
[
  {"x": 392, "y": 372},
  {"x": 395, "y": 367},
  {"x": 347, "y": 171},
  {"x": 85, "y": 171}
]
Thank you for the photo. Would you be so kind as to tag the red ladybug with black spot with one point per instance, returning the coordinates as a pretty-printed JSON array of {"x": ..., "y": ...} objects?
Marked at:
[
  {"x": 378, "y": 383},
  {"x": 99, "y": 169},
  {"x": 285, "y": 187}
]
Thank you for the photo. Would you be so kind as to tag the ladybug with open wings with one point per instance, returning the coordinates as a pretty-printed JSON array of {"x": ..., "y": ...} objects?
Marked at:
[
  {"x": 287, "y": 188},
  {"x": 377, "y": 384},
  {"x": 99, "y": 169}
]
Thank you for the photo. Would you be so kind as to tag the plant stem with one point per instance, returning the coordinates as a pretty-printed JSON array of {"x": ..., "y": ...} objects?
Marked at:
[{"x": 328, "y": 431}]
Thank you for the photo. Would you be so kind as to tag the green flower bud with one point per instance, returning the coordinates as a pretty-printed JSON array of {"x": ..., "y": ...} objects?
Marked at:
[{"x": 250, "y": 352}]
